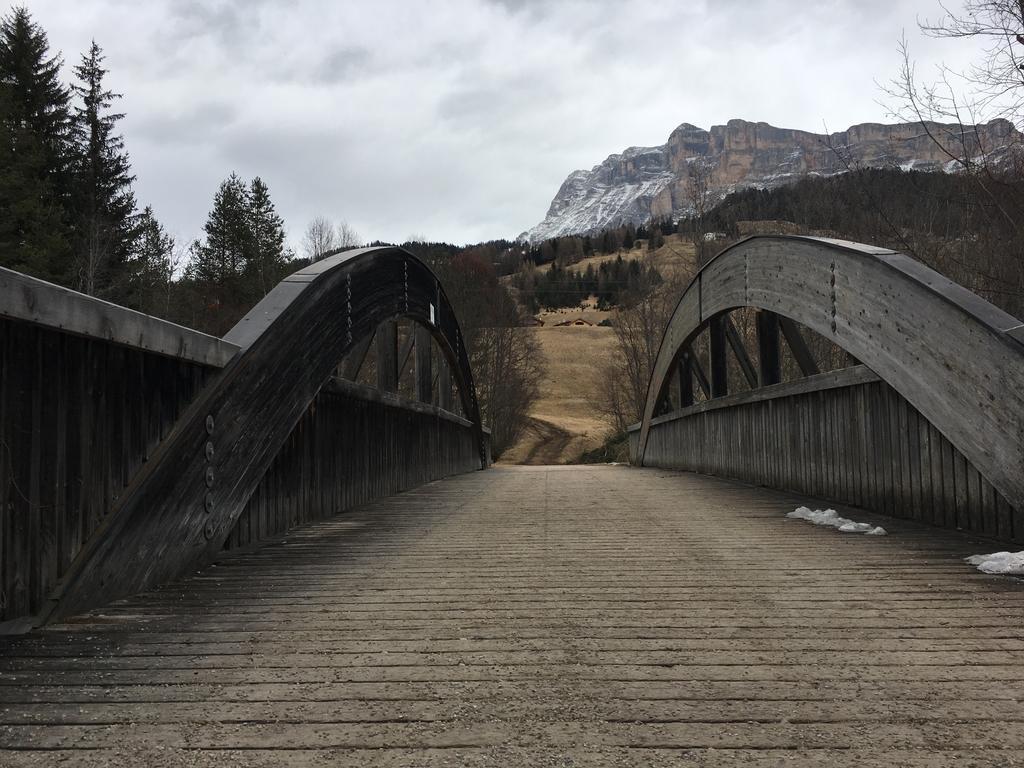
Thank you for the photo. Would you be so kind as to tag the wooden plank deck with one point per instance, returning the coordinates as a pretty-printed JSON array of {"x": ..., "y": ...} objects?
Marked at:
[{"x": 543, "y": 616}]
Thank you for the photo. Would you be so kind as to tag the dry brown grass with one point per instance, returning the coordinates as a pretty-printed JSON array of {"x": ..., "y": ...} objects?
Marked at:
[{"x": 569, "y": 388}]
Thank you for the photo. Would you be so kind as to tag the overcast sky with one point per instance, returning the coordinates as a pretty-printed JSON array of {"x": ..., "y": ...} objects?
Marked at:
[{"x": 458, "y": 120}]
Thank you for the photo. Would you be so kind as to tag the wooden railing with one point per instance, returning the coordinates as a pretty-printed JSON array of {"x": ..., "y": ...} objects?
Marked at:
[
  {"x": 930, "y": 427},
  {"x": 94, "y": 398},
  {"x": 844, "y": 436}
]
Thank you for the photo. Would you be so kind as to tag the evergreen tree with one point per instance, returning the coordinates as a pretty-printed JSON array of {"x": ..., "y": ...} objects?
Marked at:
[
  {"x": 221, "y": 260},
  {"x": 104, "y": 204},
  {"x": 265, "y": 264},
  {"x": 34, "y": 152},
  {"x": 150, "y": 266}
]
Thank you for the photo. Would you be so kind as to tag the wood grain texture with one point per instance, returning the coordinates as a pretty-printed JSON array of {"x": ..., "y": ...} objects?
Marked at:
[
  {"x": 78, "y": 417},
  {"x": 516, "y": 618},
  {"x": 956, "y": 359}
]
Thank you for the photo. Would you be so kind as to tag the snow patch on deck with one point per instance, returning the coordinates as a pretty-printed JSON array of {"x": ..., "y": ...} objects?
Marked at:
[
  {"x": 1005, "y": 563},
  {"x": 831, "y": 518}
]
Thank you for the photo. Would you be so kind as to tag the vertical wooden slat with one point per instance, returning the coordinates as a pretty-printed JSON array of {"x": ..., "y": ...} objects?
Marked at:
[
  {"x": 1004, "y": 518},
  {"x": 948, "y": 484},
  {"x": 49, "y": 395},
  {"x": 424, "y": 372},
  {"x": 963, "y": 512},
  {"x": 1017, "y": 522},
  {"x": 768, "y": 353},
  {"x": 930, "y": 480},
  {"x": 974, "y": 499},
  {"x": 935, "y": 441},
  {"x": 901, "y": 436},
  {"x": 685, "y": 380},
  {"x": 719, "y": 361},
  {"x": 387, "y": 356}
]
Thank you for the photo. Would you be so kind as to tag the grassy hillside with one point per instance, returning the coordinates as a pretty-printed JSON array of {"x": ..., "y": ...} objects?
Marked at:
[{"x": 565, "y": 420}]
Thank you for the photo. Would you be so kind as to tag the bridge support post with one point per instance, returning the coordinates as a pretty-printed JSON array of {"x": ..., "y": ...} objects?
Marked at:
[
  {"x": 719, "y": 361},
  {"x": 736, "y": 342},
  {"x": 444, "y": 387},
  {"x": 387, "y": 356},
  {"x": 354, "y": 360},
  {"x": 769, "y": 359},
  {"x": 424, "y": 374},
  {"x": 799, "y": 348},
  {"x": 685, "y": 380}
]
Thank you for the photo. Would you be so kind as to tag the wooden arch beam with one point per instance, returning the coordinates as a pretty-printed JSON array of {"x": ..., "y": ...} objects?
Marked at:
[
  {"x": 182, "y": 505},
  {"x": 953, "y": 356}
]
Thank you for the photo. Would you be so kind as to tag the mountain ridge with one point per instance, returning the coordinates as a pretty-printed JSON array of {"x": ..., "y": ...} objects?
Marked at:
[{"x": 640, "y": 183}]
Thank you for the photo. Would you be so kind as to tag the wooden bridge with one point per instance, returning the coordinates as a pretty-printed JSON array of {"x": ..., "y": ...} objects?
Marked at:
[{"x": 274, "y": 548}]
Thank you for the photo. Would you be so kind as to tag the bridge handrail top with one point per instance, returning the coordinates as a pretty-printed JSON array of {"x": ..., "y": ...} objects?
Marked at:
[
  {"x": 270, "y": 307},
  {"x": 36, "y": 301},
  {"x": 837, "y": 379},
  {"x": 953, "y": 293},
  {"x": 395, "y": 400}
]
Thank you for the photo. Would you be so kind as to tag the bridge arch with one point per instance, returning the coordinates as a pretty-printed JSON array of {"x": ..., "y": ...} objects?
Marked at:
[
  {"x": 954, "y": 357},
  {"x": 180, "y": 508}
]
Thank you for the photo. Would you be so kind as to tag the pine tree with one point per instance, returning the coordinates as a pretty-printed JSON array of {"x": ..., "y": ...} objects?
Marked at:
[
  {"x": 150, "y": 266},
  {"x": 104, "y": 204},
  {"x": 265, "y": 264},
  {"x": 217, "y": 266},
  {"x": 221, "y": 260},
  {"x": 34, "y": 152}
]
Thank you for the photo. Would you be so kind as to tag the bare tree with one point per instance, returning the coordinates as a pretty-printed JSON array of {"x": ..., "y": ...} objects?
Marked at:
[
  {"x": 505, "y": 356},
  {"x": 319, "y": 238},
  {"x": 507, "y": 366},
  {"x": 950, "y": 112},
  {"x": 346, "y": 236},
  {"x": 639, "y": 326},
  {"x": 993, "y": 82},
  {"x": 698, "y": 174}
]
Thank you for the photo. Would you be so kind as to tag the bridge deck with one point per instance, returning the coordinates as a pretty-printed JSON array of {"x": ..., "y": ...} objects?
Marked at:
[{"x": 543, "y": 616}]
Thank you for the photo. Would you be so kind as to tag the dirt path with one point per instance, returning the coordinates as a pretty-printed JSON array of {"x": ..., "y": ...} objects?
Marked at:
[{"x": 545, "y": 443}]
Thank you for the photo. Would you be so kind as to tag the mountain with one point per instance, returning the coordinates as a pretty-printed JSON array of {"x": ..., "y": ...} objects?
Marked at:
[{"x": 645, "y": 182}]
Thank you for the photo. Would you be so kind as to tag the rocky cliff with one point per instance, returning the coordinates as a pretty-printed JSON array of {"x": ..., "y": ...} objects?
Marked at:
[{"x": 645, "y": 182}]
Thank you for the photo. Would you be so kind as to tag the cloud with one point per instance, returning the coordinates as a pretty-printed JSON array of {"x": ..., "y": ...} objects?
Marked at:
[
  {"x": 459, "y": 119},
  {"x": 342, "y": 64}
]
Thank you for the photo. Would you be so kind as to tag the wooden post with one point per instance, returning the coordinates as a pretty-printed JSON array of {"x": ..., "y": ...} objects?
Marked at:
[
  {"x": 424, "y": 375},
  {"x": 769, "y": 359},
  {"x": 798, "y": 347},
  {"x": 702, "y": 378},
  {"x": 444, "y": 386},
  {"x": 405, "y": 352},
  {"x": 387, "y": 356},
  {"x": 685, "y": 380},
  {"x": 354, "y": 359},
  {"x": 736, "y": 342},
  {"x": 719, "y": 362}
]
